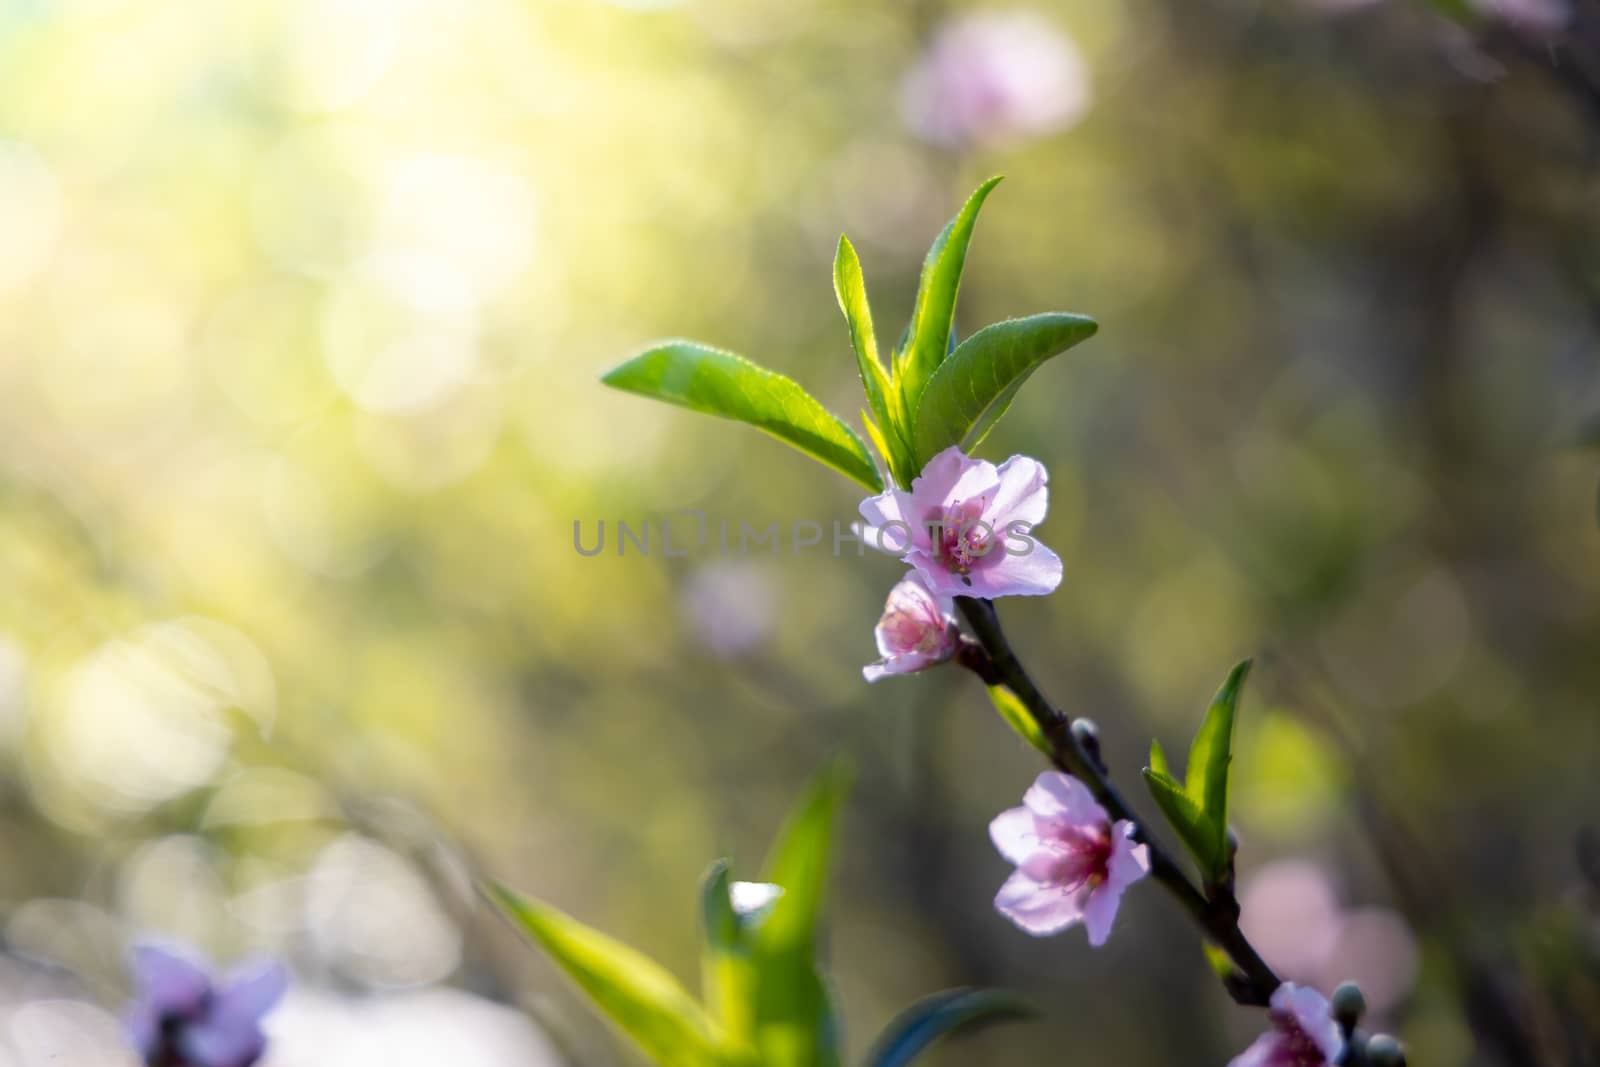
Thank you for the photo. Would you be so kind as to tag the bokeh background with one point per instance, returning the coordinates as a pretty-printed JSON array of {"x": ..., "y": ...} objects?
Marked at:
[{"x": 302, "y": 307}]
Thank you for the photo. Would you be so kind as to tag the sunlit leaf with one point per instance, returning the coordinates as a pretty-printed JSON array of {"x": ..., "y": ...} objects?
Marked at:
[
  {"x": 933, "y": 316},
  {"x": 1011, "y": 709},
  {"x": 720, "y": 383},
  {"x": 850, "y": 288},
  {"x": 634, "y": 992},
  {"x": 795, "y": 1024},
  {"x": 881, "y": 443},
  {"x": 1158, "y": 759},
  {"x": 971, "y": 390},
  {"x": 942, "y": 1015}
]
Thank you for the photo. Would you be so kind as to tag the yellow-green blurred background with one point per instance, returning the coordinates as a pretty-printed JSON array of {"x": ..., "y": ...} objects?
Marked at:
[{"x": 302, "y": 307}]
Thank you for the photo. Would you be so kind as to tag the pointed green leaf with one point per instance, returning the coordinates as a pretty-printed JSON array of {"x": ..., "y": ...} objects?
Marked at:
[
  {"x": 1206, "y": 779},
  {"x": 727, "y": 972},
  {"x": 879, "y": 442},
  {"x": 942, "y": 1015},
  {"x": 1158, "y": 759},
  {"x": 720, "y": 383},
  {"x": 1183, "y": 814},
  {"x": 972, "y": 389},
  {"x": 850, "y": 288},
  {"x": 633, "y": 991},
  {"x": 928, "y": 337},
  {"x": 1198, "y": 809},
  {"x": 1011, "y": 709},
  {"x": 795, "y": 1025}
]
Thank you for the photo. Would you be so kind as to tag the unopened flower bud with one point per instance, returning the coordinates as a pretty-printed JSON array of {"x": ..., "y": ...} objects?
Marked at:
[
  {"x": 1385, "y": 1051},
  {"x": 1087, "y": 734},
  {"x": 916, "y": 631},
  {"x": 1348, "y": 1006}
]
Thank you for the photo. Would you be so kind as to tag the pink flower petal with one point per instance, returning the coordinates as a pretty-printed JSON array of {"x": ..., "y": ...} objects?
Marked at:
[
  {"x": 1014, "y": 835},
  {"x": 1100, "y": 912},
  {"x": 1129, "y": 862},
  {"x": 1023, "y": 493},
  {"x": 1037, "y": 910},
  {"x": 1312, "y": 1014},
  {"x": 1259, "y": 1054},
  {"x": 951, "y": 475},
  {"x": 888, "y": 506},
  {"x": 1034, "y": 573},
  {"x": 1062, "y": 798}
]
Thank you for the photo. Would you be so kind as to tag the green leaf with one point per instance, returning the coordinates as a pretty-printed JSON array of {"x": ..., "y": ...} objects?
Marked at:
[
  {"x": 1182, "y": 813},
  {"x": 971, "y": 390},
  {"x": 928, "y": 334},
  {"x": 881, "y": 443},
  {"x": 634, "y": 992},
  {"x": 1011, "y": 709},
  {"x": 850, "y": 288},
  {"x": 727, "y": 973},
  {"x": 1198, "y": 809},
  {"x": 795, "y": 1024},
  {"x": 888, "y": 436},
  {"x": 720, "y": 383},
  {"x": 1212, "y": 752},
  {"x": 931, "y": 1019},
  {"x": 1158, "y": 759},
  {"x": 1220, "y": 962}
]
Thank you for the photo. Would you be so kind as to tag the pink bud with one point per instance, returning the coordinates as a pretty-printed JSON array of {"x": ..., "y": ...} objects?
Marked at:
[{"x": 916, "y": 630}]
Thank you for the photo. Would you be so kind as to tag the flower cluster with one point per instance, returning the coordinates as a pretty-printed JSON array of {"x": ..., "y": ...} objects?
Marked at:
[{"x": 965, "y": 528}]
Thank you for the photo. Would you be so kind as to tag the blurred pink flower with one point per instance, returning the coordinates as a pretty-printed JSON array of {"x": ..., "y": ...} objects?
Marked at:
[
  {"x": 1072, "y": 863},
  {"x": 993, "y": 77},
  {"x": 1291, "y": 912},
  {"x": 1303, "y": 1032},
  {"x": 916, "y": 630},
  {"x": 731, "y": 606},
  {"x": 966, "y": 526},
  {"x": 1377, "y": 951},
  {"x": 181, "y": 1016}
]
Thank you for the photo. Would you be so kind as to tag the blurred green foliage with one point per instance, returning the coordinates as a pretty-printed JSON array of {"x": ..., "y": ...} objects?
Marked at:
[{"x": 301, "y": 312}]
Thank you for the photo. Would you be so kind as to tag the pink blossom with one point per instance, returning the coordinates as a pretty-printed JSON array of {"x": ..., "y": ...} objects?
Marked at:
[
  {"x": 994, "y": 77},
  {"x": 916, "y": 630},
  {"x": 1292, "y": 914},
  {"x": 1303, "y": 1032},
  {"x": 1072, "y": 862},
  {"x": 966, "y": 526}
]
